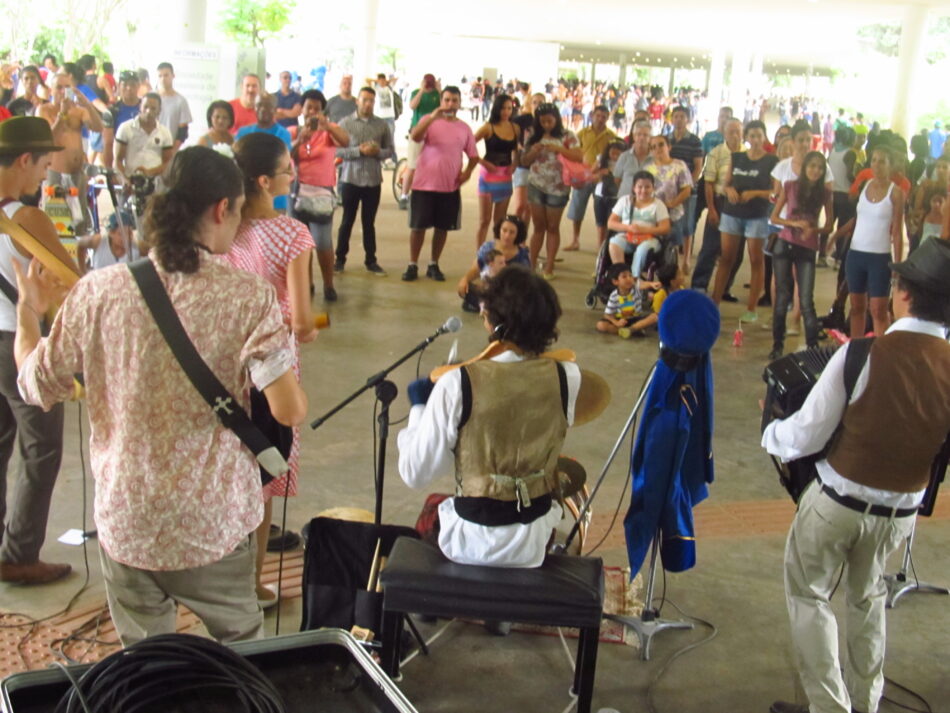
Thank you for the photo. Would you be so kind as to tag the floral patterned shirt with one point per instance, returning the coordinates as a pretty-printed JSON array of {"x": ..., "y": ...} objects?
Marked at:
[
  {"x": 175, "y": 489},
  {"x": 670, "y": 180},
  {"x": 545, "y": 173}
]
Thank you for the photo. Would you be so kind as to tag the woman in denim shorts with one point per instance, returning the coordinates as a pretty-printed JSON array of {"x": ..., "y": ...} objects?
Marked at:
[
  {"x": 745, "y": 214},
  {"x": 547, "y": 192}
]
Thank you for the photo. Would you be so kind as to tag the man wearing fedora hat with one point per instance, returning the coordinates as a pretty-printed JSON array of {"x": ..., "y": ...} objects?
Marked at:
[
  {"x": 26, "y": 147},
  {"x": 869, "y": 487}
]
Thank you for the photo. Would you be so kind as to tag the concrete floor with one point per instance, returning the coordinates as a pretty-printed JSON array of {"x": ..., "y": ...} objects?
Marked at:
[{"x": 736, "y": 585}]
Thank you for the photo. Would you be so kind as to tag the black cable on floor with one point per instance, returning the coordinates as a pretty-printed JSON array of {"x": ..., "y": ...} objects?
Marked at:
[
  {"x": 32, "y": 622},
  {"x": 169, "y": 667},
  {"x": 713, "y": 633}
]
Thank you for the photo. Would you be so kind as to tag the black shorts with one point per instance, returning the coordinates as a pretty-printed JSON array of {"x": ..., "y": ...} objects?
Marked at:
[{"x": 432, "y": 209}]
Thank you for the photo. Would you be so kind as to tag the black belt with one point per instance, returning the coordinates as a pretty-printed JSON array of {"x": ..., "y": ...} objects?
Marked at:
[{"x": 866, "y": 508}]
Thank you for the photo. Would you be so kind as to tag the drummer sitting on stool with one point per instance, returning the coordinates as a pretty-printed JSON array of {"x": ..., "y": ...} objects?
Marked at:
[{"x": 499, "y": 424}]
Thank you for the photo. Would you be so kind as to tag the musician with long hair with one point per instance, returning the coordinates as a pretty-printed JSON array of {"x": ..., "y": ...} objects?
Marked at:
[
  {"x": 869, "y": 487},
  {"x": 178, "y": 497},
  {"x": 498, "y": 424}
]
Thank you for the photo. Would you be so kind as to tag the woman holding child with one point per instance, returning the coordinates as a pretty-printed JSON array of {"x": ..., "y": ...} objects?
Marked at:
[{"x": 510, "y": 236}]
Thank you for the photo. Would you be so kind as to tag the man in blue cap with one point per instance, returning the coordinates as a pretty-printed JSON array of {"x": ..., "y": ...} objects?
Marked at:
[
  {"x": 869, "y": 487},
  {"x": 117, "y": 245},
  {"x": 26, "y": 148}
]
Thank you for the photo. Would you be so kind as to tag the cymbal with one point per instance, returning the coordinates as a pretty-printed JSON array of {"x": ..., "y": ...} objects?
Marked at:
[
  {"x": 592, "y": 399},
  {"x": 347, "y": 513},
  {"x": 571, "y": 475}
]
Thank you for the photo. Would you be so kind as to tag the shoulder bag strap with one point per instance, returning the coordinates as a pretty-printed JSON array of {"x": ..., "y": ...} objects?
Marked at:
[
  {"x": 854, "y": 361},
  {"x": 224, "y": 405}
]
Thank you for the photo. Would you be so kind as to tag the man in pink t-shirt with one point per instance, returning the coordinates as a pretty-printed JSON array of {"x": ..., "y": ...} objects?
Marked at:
[{"x": 435, "y": 201}]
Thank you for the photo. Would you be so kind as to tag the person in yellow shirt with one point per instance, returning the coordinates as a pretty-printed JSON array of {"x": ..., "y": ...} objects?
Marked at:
[
  {"x": 671, "y": 277},
  {"x": 594, "y": 139}
]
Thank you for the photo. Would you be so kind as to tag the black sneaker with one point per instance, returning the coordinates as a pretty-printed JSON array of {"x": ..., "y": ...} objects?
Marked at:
[
  {"x": 329, "y": 294},
  {"x": 286, "y": 542},
  {"x": 776, "y": 353},
  {"x": 411, "y": 274},
  {"x": 469, "y": 307},
  {"x": 376, "y": 269},
  {"x": 765, "y": 301},
  {"x": 434, "y": 273},
  {"x": 729, "y": 297},
  {"x": 338, "y": 265}
]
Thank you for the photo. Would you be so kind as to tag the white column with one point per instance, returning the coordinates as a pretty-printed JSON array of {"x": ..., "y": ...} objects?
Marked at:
[
  {"x": 739, "y": 79},
  {"x": 756, "y": 80},
  {"x": 714, "y": 76},
  {"x": 183, "y": 22},
  {"x": 364, "y": 53},
  {"x": 910, "y": 61},
  {"x": 622, "y": 60}
]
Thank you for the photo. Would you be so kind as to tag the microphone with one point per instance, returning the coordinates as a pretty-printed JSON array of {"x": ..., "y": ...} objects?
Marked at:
[{"x": 452, "y": 324}]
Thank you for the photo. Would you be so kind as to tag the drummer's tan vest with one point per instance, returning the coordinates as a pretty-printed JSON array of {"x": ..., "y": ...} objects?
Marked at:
[{"x": 508, "y": 447}]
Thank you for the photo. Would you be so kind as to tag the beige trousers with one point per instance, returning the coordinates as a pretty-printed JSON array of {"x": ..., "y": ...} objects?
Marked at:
[
  {"x": 825, "y": 535},
  {"x": 143, "y": 603}
]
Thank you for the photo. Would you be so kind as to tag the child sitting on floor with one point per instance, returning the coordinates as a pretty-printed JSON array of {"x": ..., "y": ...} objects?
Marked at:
[
  {"x": 494, "y": 263},
  {"x": 671, "y": 278},
  {"x": 624, "y": 302}
]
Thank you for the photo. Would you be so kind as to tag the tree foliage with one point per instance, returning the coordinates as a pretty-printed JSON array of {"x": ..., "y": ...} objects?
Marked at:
[
  {"x": 65, "y": 28},
  {"x": 885, "y": 38},
  {"x": 252, "y": 22}
]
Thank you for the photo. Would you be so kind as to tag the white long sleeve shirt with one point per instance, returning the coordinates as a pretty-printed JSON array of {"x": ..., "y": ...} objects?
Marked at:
[
  {"x": 808, "y": 430},
  {"x": 427, "y": 452}
]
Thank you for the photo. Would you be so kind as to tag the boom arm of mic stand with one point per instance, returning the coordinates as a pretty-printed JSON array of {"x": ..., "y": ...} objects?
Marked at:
[
  {"x": 372, "y": 381},
  {"x": 610, "y": 459}
]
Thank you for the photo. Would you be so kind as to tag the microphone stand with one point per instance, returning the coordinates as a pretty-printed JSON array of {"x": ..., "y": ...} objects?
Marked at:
[{"x": 386, "y": 393}]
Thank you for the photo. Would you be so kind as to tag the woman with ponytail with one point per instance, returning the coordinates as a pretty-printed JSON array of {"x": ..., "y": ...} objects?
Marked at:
[
  {"x": 277, "y": 248},
  {"x": 178, "y": 497}
]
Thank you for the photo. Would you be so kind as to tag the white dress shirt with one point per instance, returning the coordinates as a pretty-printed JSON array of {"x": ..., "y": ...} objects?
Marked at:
[{"x": 808, "y": 430}]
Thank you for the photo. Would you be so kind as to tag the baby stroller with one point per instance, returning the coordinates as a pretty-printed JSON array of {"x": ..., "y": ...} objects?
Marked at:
[{"x": 600, "y": 291}]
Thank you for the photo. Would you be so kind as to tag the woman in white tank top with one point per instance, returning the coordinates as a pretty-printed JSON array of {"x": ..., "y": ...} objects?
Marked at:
[{"x": 877, "y": 231}]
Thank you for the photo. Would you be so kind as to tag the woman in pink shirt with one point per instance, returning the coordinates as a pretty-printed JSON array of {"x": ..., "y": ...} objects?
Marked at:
[
  {"x": 314, "y": 152},
  {"x": 277, "y": 248}
]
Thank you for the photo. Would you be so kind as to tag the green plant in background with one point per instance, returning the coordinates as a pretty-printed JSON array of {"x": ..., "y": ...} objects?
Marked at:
[
  {"x": 253, "y": 22},
  {"x": 885, "y": 38}
]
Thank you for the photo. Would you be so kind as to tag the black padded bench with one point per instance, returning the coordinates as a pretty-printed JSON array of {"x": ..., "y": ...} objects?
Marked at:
[{"x": 564, "y": 591}]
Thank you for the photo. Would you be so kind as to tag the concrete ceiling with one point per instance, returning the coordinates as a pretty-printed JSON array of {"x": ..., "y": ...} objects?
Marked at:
[{"x": 794, "y": 34}]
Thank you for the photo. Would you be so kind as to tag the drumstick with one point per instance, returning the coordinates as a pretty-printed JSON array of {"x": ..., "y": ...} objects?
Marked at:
[
  {"x": 374, "y": 568},
  {"x": 379, "y": 583}
]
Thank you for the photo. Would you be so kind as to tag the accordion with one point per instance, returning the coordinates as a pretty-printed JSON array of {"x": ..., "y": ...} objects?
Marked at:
[{"x": 789, "y": 380}]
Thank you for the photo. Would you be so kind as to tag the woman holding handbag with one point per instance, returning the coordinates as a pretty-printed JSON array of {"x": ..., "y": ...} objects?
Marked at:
[
  {"x": 276, "y": 248},
  {"x": 547, "y": 192},
  {"x": 314, "y": 153},
  {"x": 501, "y": 137}
]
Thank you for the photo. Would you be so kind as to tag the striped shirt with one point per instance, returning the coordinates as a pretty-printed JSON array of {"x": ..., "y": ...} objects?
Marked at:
[{"x": 358, "y": 169}]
